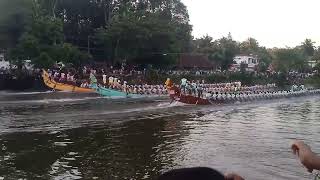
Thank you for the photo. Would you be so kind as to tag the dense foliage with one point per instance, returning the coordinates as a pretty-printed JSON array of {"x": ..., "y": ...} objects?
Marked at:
[
  {"x": 47, "y": 31},
  {"x": 223, "y": 50},
  {"x": 145, "y": 32}
]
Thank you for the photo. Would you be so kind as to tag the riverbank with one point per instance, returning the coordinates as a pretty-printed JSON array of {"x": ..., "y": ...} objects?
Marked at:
[{"x": 33, "y": 81}]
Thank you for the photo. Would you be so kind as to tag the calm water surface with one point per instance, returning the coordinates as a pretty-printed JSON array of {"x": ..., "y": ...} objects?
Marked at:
[{"x": 75, "y": 136}]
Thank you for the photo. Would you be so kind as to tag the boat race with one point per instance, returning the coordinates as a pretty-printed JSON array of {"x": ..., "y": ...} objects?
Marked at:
[{"x": 154, "y": 90}]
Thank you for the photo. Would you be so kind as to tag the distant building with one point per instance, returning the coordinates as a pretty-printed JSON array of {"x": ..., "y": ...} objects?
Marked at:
[
  {"x": 4, "y": 64},
  {"x": 187, "y": 61},
  {"x": 250, "y": 61},
  {"x": 312, "y": 63}
]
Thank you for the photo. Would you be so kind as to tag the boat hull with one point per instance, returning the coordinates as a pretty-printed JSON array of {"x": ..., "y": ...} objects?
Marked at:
[
  {"x": 176, "y": 95},
  {"x": 115, "y": 93},
  {"x": 63, "y": 87}
]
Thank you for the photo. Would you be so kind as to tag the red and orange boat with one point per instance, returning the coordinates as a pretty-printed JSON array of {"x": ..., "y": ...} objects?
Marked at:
[{"x": 176, "y": 95}]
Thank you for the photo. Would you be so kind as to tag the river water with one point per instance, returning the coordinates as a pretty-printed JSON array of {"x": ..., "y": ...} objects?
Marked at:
[{"x": 75, "y": 136}]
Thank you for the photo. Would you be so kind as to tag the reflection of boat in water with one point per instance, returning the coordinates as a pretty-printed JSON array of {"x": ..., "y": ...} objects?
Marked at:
[
  {"x": 217, "y": 98},
  {"x": 49, "y": 82}
]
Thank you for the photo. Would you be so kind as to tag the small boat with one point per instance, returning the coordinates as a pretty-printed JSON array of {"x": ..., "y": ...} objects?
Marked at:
[{"x": 49, "y": 82}]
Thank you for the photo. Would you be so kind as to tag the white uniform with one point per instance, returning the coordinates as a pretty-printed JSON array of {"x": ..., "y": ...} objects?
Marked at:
[
  {"x": 104, "y": 79},
  {"x": 124, "y": 85},
  {"x": 110, "y": 80}
]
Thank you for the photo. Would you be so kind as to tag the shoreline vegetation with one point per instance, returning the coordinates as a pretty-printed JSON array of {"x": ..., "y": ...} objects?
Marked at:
[
  {"x": 148, "y": 35},
  {"x": 153, "y": 78},
  {"x": 249, "y": 79}
]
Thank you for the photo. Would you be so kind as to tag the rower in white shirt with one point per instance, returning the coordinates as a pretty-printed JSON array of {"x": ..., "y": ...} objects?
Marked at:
[{"x": 104, "y": 79}]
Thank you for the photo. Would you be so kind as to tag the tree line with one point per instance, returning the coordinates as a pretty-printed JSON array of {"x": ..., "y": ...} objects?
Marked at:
[
  {"x": 75, "y": 31},
  {"x": 143, "y": 32},
  {"x": 223, "y": 50}
]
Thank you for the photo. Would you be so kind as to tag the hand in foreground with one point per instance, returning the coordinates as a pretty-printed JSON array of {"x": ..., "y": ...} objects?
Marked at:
[
  {"x": 233, "y": 176},
  {"x": 305, "y": 154}
]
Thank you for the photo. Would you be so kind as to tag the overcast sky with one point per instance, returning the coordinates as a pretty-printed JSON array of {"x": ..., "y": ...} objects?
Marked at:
[{"x": 274, "y": 23}]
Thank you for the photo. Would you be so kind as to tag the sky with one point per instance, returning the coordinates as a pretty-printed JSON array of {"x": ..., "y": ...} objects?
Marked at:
[{"x": 274, "y": 23}]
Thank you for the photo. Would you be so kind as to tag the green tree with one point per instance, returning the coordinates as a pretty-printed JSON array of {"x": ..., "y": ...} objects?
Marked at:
[
  {"x": 15, "y": 18},
  {"x": 316, "y": 55},
  {"x": 287, "y": 59},
  {"x": 43, "y": 61},
  {"x": 204, "y": 45},
  {"x": 114, "y": 29},
  {"x": 44, "y": 33},
  {"x": 227, "y": 48},
  {"x": 250, "y": 46},
  {"x": 43, "y": 45},
  {"x": 308, "y": 47},
  {"x": 72, "y": 55},
  {"x": 144, "y": 33}
]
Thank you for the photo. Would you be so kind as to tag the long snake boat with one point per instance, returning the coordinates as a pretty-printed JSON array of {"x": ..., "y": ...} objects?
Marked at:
[{"x": 176, "y": 94}]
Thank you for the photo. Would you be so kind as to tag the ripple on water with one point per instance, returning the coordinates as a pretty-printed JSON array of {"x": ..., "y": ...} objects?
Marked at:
[
  {"x": 138, "y": 140},
  {"x": 61, "y": 169},
  {"x": 62, "y": 143}
]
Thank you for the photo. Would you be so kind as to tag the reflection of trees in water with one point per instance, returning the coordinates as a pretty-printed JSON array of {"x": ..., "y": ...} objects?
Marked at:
[
  {"x": 132, "y": 150},
  {"x": 135, "y": 149},
  {"x": 27, "y": 155}
]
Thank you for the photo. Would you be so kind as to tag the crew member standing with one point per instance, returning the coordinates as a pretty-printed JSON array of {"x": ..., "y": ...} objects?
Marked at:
[
  {"x": 110, "y": 81},
  {"x": 183, "y": 84},
  {"x": 104, "y": 79}
]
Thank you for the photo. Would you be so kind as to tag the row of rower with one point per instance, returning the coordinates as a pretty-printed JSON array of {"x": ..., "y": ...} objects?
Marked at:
[
  {"x": 141, "y": 89},
  {"x": 249, "y": 96}
]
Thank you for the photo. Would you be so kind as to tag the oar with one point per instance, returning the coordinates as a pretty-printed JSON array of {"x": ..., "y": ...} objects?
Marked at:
[
  {"x": 317, "y": 176},
  {"x": 54, "y": 87},
  {"x": 172, "y": 101}
]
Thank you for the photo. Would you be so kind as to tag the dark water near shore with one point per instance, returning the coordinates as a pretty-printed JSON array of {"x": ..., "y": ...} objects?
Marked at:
[{"x": 74, "y": 136}]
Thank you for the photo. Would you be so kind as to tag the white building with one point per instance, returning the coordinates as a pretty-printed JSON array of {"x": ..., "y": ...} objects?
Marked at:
[
  {"x": 4, "y": 64},
  {"x": 250, "y": 60},
  {"x": 312, "y": 63}
]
